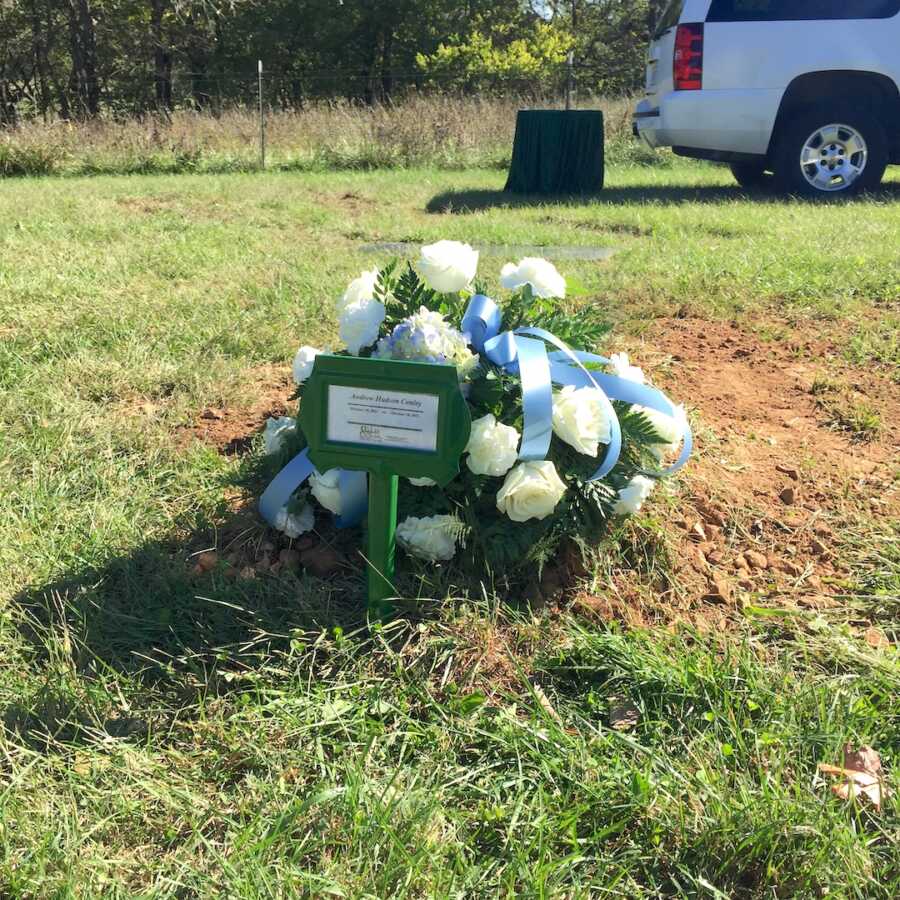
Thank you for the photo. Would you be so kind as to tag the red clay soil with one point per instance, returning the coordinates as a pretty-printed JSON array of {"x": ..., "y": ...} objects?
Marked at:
[{"x": 773, "y": 482}]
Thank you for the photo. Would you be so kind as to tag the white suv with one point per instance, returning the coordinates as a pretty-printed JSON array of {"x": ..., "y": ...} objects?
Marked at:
[{"x": 807, "y": 89}]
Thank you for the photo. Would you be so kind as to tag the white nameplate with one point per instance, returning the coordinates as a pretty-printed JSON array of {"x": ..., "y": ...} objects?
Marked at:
[{"x": 382, "y": 418}]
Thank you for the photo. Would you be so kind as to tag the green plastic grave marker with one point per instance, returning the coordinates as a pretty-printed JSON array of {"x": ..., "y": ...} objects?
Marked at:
[{"x": 388, "y": 418}]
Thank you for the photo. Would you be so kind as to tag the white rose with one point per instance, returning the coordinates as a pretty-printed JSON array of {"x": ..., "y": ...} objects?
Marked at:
[
  {"x": 580, "y": 419},
  {"x": 293, "y": 525},
  {"x": 326, "y": 489},
  {"x": 531, "y": 491},
  {"x": 541, "y": 274},
  {"x": 670, "y": 429},
  {"x": 493, "y": 447},
  {"x": 622, "y": 367},
  {"x": 303, "y": 363},
  {"x": 276, "y": 431},
  {"x": 359, "y": 324},
  {"x": 432, "y": 538},
  {"x": 448, "y": 266},
  {"x": 362, "y": 288},
  {"x": 632, "y": 496},
  {"x": 422, "y": 482}
]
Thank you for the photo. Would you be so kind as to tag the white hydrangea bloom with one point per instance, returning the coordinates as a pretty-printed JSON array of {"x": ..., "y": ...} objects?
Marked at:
[
  {"x": 433, "y": 537},
  {"x": 426, "y": 336},
  {"x": 579, "y": 418},
  {"x": 276, "y": 431},
  {"x": 327, "y": 489},
  {"x": 359, "y": 324},
  {"x": 541, "y": 274},
  {"x": 303, "y": 363},
  {"x": 531, "y": 491},
  {"x": 448, "y": 266},
  {"x": 295, "y": 524},
  {"x": 493, "y": 447},
  {"x": 622, "y": 367},
  {"x": 633, "y": 495},
  {"x": 361, "y": 288}
]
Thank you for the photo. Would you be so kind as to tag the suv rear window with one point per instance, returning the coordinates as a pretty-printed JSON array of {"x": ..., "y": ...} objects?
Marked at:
[
  {"x": 800, "y": 10},
  {"x": 669, "y": 18}
]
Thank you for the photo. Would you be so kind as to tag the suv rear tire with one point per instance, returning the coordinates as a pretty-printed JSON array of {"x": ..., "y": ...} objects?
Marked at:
[
  {"x": 749, "y": 175},
  {"x": 831, "y": 150}
]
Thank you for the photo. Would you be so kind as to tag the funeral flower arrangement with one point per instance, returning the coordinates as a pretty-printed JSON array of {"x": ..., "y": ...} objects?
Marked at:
[{"x": 562, "y": 442}]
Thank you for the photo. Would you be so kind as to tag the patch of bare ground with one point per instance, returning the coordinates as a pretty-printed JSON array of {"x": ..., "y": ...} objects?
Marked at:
[
  {"x": 775, "y": 482},
  {"x": 231, "y": 429}
]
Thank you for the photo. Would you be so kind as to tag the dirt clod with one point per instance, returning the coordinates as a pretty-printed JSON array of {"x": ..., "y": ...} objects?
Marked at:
[
  {"x": 756, "y": 560},
  {"x": 321, "y": 561},
  {"x": 788, "y": 496}
]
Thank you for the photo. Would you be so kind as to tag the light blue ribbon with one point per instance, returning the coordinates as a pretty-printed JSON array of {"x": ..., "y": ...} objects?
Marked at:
[
  {"x": 353, "y": 487},
  {"x": 523, "y": 352}
]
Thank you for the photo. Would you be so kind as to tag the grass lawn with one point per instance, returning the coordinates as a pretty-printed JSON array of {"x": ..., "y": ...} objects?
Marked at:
[{"x": 169, "y": 732}]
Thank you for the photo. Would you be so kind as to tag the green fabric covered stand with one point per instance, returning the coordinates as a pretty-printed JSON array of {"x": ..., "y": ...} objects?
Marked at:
[{"x": 557, "y": 152}]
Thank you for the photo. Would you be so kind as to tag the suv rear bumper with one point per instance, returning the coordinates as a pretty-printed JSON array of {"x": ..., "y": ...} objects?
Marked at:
[{"x": 738, "y": 121}]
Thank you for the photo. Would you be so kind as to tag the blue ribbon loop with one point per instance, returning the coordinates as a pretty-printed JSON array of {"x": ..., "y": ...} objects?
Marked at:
[
  {"x": 523, "y": 353},
  {"x": 352, "y": 485}
]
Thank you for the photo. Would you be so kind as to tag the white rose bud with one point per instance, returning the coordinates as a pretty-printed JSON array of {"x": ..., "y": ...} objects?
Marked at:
[
  {"x": 422, "y": 482},
  {"x": 670, "y": 430},
  {"x": 448, "y": 266},
  {"x": 622, "y": 367},
  {"x": 531, "y": 491},
  {"x": 541, "y": 274},
  {"x": 493, "y": 447},
  {"x": 362, "y": 288},
  {"x": 276, "y": 431},
  {"x": 580, "y": 419},
  {"x": 360, "y": 323},
  {"x": 293, "y": 525},
  {"x": 433, "y": 538},
  {"x": 326, "y": 489},
  {"x": 633, "y": 495},
  {"x": 303, "y": 363}
]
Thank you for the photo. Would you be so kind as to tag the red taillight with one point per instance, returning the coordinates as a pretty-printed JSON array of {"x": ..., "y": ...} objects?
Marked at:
[{"x": 687, "y": 67}]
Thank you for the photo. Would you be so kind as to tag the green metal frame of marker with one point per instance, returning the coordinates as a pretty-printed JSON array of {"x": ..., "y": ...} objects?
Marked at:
[{"x": 389, "y": 418}]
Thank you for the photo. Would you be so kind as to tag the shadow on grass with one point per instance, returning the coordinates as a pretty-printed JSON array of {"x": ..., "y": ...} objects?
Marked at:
[{"x": 471, "y": 201}]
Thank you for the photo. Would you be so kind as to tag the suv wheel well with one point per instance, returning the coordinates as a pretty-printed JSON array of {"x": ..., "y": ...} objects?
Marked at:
[{"x": 874, "y": 92}]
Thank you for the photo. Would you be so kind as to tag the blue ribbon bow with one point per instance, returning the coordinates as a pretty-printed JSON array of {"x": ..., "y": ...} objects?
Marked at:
[{"x": 524, "y": 352}]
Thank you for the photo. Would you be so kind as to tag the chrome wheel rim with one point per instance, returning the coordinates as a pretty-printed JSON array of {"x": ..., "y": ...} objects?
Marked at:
[{"x": 833, "y": 158}]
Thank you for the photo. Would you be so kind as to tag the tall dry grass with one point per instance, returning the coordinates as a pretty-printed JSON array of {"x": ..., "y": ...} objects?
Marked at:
[{"x": 439, "y": 131}]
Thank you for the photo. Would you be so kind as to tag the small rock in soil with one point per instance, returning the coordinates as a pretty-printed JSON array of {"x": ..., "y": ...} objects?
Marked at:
[
  {"x": 207, "y": 560},
  {"x": 289, "y": 558},
  {"x": 716, "y": 557},
  {"x": 788, "y": 496},
  {"x": 719, "y": 590},
  {"x": 698, "y": 533},
  {"x": 791, "y": 568},
  {"x": 745, "y": 584},
  {"x": 211, "y": 414},
  {"x": 756, "y": 559},
  {"x": 700, "y": 559},
  {"x": 321, "y": 561},
  {"x": 740, "y": 562}
]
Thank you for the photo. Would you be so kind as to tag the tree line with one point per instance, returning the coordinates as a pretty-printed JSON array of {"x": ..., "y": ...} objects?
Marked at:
[{"x": 84, "y": 58}]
